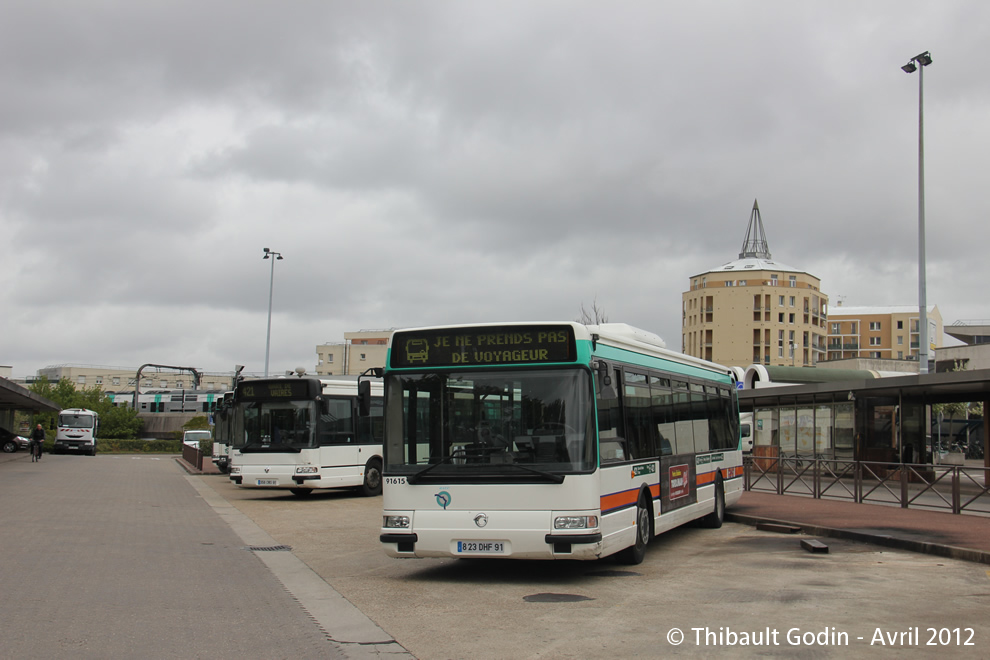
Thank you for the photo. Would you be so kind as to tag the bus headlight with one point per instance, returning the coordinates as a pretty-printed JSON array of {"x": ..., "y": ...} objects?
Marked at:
[
  {"x": 395, "y": 522},
  {"x": 307, "y": 470},
  {"x": 575, "y": 522}
]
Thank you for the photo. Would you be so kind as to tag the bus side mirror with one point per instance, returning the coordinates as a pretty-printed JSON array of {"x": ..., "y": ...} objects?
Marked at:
[
  {"x": 364, "y": 398},
  {"x": 606, "y": 389}
]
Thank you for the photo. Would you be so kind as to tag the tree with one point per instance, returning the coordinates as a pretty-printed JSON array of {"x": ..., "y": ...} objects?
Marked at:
[
  {"x": 114, "y": 422},
  {"x": 958, "y": 408},
  {"x": 595, "y": 317}
]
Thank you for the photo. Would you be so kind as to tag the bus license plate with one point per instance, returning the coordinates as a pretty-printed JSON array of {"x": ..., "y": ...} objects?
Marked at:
[
  {"x": 267, "y": 482},
  {"x": 481, "y": 547}
]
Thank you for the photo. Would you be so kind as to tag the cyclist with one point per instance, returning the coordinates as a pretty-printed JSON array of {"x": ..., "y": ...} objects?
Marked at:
[{"x": 37, "y": 440}]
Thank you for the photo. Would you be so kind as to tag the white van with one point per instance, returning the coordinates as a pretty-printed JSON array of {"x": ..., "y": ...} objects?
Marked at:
[
  {"x": 192, "y": 438},
  {"x": 746, "y": 432}
]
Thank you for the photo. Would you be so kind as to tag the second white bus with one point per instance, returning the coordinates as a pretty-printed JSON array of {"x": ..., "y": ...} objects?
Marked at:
[{"x": 304, "y": 434}]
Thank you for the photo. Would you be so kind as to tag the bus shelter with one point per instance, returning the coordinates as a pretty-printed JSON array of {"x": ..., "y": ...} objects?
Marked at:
[
  {"x": 14, "y": 397},
  {"x": 885, "y": 420}
]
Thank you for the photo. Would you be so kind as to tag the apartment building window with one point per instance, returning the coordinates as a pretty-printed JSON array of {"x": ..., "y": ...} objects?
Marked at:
[
  {"x": 164, "y": 384},
  {"x": 99, "y": 380},
  {"x": 780, "y": 300},
  {"x": 131, "y": 381},
  {"x": 146, "y": 383},
  {"x": 874, "y": 341},
  {"x": 790, "y": 318},
  {"x": 773, "y": 280},
  {"x": 852, "y": 328},
  {"x": 742, "y": 282},
  {"x": 81, "y": 380},
  {"x": 900, "y": 355},
  {"x": 116, "y": 380},
  {"x": 780, "y": 317},
  {"x": 791, "y": 301},
  {"x": 363, "y": 356},
  {"x": 330, "y": 358},
  {"x": 874, "y": 325},
  {"x": 792, "y": 280},
  {"x": 729, "y": 283},
  {"x": 179, "y": 384},
  {"x": 876, "y": 354},
  {"x": 900, "y": 340},
  {"x": 836, "y": 329},
  {"x": 900, "y": 325}
]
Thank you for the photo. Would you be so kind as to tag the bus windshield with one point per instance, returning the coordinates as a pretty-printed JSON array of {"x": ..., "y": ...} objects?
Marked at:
[
  {"x": 517, "y": 423},
  {"x": 276, "y": 426}
]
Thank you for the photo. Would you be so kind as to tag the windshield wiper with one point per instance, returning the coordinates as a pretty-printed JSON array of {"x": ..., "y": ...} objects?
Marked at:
[
  {"x": 555, "y": 478},
  {"x": 413, "y": 478}
]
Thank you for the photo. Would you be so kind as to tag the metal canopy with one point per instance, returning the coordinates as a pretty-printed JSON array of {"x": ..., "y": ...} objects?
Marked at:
[
  {"x": 16, "y": 397},
  {"x": 944, "y": 387}
]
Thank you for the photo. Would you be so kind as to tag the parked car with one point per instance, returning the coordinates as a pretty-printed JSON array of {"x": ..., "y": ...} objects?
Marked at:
[{"x": 11, "y": 442}]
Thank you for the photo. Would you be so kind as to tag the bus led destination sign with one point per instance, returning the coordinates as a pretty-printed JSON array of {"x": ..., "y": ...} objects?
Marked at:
[
  {"x": 283, "y": 388},
  {"x": 530, "y": 344}
]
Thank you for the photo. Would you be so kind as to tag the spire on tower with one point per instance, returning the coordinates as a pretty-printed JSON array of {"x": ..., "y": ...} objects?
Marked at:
[{"x": 755, "y": 244}]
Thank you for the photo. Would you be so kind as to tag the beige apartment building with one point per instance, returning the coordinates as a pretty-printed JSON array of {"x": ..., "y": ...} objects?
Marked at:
[
  {"x": 880, "y": 332},
  {"x": 122, "y": 379},
  {"x": 755, "y": 310},
  {"x": 360, "y": 351}
]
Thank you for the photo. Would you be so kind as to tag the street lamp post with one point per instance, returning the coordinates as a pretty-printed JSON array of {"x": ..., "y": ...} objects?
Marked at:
[
  {"x": 918, "y": 63},
  {"x": 271, "y": 287}
]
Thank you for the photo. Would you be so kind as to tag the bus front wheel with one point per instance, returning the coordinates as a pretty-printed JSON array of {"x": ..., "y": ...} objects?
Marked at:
[
  {"x": 372, "y": 478},
  {"x": 644, "y": 532}
]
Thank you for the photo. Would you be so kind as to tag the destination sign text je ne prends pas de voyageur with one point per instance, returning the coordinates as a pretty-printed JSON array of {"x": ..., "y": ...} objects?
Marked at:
[{"x": 486, "y": 346}]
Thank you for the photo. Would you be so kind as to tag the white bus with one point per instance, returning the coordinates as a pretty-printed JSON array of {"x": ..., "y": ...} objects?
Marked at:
[
  {"x": 223, "y": 424},
  {"x": 303, "y": 434},
  {"x": 551, "y": 441},
  {"x": 76, "y": 431}
]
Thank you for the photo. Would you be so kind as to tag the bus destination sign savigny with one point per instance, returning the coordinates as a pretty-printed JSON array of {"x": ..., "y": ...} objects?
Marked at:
[{"x": 523, "y": 344}]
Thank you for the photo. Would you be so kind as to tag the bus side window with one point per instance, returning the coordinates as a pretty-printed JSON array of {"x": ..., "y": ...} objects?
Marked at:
[
  {"x": 640, "y": 429},
  {"x": 610, "y": 430},
  {"x": 336, "y": 422}
]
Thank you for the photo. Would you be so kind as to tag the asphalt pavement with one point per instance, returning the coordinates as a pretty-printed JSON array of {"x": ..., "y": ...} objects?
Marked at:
[{"x": 127, "y": 556}]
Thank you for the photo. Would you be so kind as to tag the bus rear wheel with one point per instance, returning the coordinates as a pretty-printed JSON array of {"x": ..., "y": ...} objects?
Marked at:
[
  {"x": 372, "y": 478},
  {"x": 644, "y": 532},
  {"x": 714, "y": 519}
]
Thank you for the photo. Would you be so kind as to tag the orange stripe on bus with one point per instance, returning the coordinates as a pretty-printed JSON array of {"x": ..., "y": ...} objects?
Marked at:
[{"x": 625, "y": 498}]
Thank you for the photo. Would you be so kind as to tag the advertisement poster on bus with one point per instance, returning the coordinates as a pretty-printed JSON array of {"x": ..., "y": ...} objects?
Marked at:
[{"x": 677, "y": 482}]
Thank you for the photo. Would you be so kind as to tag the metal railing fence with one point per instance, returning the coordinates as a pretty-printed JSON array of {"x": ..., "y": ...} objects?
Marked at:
[{"x": 954, "y": 488}]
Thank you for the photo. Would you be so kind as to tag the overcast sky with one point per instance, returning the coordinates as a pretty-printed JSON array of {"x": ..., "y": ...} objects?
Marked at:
[{"x": 445, "y": 162}]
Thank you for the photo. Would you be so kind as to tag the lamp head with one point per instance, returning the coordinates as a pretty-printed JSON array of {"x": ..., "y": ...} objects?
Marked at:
[{"x": 908, "y": 68}]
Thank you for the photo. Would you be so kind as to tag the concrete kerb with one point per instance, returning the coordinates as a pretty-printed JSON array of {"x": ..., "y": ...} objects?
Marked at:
[
  {"x": 925, "y": 547},
  {"x": 357, "y": 635}
]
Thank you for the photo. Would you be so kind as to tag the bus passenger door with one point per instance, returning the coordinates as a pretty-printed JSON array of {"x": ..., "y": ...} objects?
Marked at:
[{"x": 337, "y": 435}]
